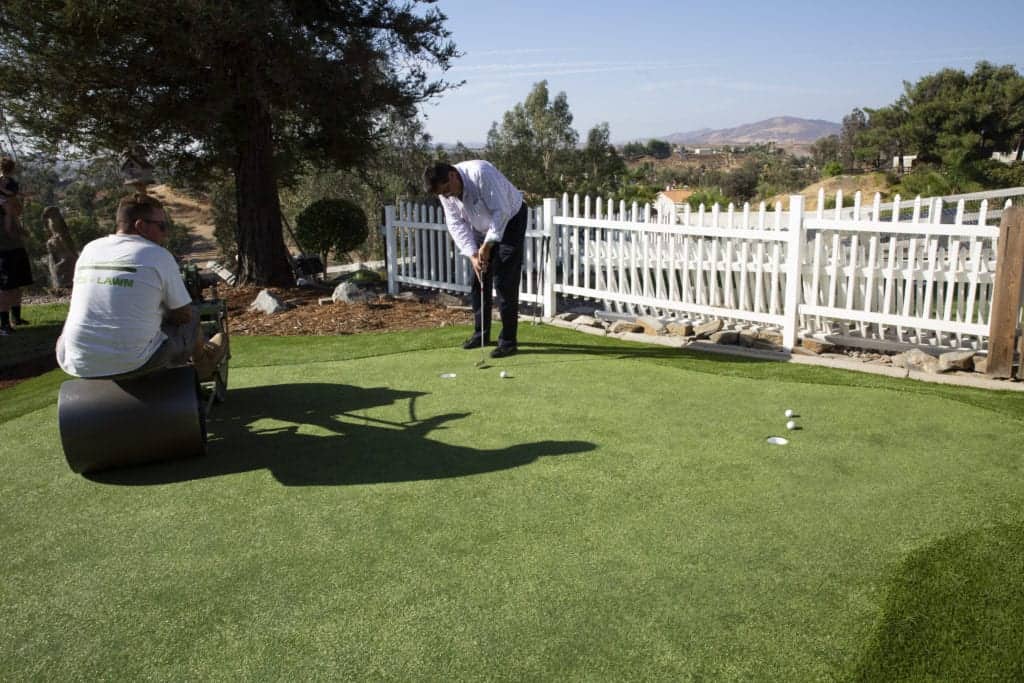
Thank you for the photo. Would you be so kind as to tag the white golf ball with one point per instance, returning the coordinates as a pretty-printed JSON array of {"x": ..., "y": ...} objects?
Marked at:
[
  {"x": 791, "y": 425},
  {"x": 503, "y": 374},
  {"x": 789, "y": 412}
]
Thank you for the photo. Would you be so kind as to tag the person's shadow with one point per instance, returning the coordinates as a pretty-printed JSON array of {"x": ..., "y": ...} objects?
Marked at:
[{"x": 323, "y": 441}]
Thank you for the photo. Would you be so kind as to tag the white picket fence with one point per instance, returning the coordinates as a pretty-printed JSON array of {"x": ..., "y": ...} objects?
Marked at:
[{"x": 912, "y": 272}]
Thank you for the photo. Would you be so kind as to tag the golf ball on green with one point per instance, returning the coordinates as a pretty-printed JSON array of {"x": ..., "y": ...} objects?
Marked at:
[
  {"x": 789, "y": 412},
  {"x": 791, "y": 425},
  {"x": 503, "y": 374}
]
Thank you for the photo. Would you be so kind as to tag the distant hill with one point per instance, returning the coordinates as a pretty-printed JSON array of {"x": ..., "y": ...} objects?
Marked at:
[{"x": 781, "y": 129}]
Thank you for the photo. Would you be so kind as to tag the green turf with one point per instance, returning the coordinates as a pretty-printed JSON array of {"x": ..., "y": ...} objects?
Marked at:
[
  {"x": 610, "y": 512},
  {"x": 37, "y": 338}
]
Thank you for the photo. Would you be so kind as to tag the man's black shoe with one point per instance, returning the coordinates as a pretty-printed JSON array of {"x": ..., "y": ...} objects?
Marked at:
[
  {"x": 504, "y": 350},
  {"x": 474, "y": 343}
]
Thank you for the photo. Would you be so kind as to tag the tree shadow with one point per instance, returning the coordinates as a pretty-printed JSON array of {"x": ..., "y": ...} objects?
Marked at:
[
  {"x": 954, "y": 612},
  {"x": 323, "y": 442}
]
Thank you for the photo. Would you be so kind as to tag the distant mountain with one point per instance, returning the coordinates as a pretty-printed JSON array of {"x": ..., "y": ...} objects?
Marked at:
[{"x": 781, "y": 129}]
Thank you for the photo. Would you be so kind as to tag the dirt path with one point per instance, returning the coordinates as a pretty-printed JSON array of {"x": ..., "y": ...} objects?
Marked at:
[{"x": 196, "y": 215}]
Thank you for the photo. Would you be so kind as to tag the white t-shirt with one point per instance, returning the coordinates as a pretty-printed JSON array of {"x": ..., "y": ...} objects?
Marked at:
[{"x": 124, "y": 286}]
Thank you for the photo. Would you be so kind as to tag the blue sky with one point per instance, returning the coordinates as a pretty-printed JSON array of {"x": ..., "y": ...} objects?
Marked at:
[{"x": 654, "y": 67}]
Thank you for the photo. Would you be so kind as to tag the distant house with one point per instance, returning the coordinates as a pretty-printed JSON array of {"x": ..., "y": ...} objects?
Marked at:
[
  {"x": 670, "y": 198},
  {"x": 909, "y": 159}
]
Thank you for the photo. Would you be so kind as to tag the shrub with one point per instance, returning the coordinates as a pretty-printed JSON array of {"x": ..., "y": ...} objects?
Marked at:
[
  {"x": 329, "y": 225},
  {"x": 832, "y": 168}
]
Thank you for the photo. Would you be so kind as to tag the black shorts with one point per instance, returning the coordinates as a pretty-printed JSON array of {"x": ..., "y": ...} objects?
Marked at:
[{"x": 15, "y": 270}]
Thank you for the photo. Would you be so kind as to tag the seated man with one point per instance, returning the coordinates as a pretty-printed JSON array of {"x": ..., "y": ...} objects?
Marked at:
[{"x": 130, "y": 311}]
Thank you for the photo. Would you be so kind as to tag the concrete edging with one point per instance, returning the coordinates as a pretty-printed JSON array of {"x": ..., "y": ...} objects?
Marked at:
[{"x": 963, "y": 380}]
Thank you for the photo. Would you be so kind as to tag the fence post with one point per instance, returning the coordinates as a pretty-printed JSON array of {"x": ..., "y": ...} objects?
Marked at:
[
  {"x": 794, "y": 253},
  {"x": 390, "y": 249},
  {"x": 1006, "y": 294},
  {"x": 550, "y": 265}
]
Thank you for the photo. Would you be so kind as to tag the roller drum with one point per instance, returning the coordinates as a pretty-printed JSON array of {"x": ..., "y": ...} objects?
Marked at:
[{"x": 108, "y": 423}]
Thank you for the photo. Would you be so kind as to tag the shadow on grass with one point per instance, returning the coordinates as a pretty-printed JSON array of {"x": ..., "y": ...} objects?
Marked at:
[
  {"x": 955, "y": 612},
  {"x": 309, "y": 434}
]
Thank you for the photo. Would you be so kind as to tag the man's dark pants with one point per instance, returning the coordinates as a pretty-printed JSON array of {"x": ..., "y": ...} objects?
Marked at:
[{"x": 504, "y": 273}]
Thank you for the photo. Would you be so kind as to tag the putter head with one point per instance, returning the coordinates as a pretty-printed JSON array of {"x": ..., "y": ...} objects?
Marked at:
[{"x": 482, "y": 364}]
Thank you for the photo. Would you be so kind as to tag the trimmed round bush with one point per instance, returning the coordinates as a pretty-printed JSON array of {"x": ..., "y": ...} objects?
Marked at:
[{"x": 328, "y": 225}]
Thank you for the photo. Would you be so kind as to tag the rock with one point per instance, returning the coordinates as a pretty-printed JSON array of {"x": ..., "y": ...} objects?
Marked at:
[
  {"x": 587, "y": 321},
  {"x": 407, "y": 296},
  {"x": 679, "y": 329},
  {"x": 748, "y": 338},
  {"x": 802, "y": 351},
  {"x": 651, "y": 326},
  {"x": 705, "y": 330},
  {"x": 770, "y": 336},
  {"x": 725, "y": 337},
  {"x": 816, "y": 345},
  {"x": 621, "y": 326},
  {"x": 980, "y": 363},
  {"x": 916, "y": 359},
  {"x": 568, "y": 316},
  {"x": 363, "y": 275},
  {"x": 267, "y": 303},
  {"x": 446, "y": 299},
  {"x": 765, "y": 345},
  {"x": 956, "y": 360},
  {"x": 349, "y": 292}
]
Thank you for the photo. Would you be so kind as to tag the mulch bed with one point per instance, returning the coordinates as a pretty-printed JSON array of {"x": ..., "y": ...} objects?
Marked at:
[{"x": 306, "y": 316}]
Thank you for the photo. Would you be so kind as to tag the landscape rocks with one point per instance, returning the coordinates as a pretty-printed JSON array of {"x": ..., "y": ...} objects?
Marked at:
[
  {"x": 651, "y": 326},
  {"x": 621, "y": 326},
  {"x": 748, "y": 338},
  {"x": 773, "y": 337},
  {"x": 956, "y": 360},
  {"x": 349, "y": 292},
  {"x": 916, "y": 359},
  {"x": 446, "y": 299},
  {"x": 407, "y": 296},
  {"x": 586, "y": 321},
  {"x": 725, "y": 337},
  {"x": 679, "y": 329},
  {"x": 980, "y": 363},
  {"x": 705, "y": 330},
  {"x": 266, "y": 302},
  {"x": 816, "y": 345}
]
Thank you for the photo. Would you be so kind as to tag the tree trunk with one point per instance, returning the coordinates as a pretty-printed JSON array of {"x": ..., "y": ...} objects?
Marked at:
[{"x": 262, "y": 255}]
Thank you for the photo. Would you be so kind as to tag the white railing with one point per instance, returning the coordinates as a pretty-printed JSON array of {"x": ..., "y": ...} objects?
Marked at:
[{"x": 917, "y": 272}]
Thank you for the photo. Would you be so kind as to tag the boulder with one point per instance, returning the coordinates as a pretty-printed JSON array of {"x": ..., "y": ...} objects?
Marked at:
[
  {"x": 705, "y": 330},
  {"x": 725, "y": 337},
  {"x": 446, "y": 299},
  {"x": 816, "y": 345},
  {"x": 770, "y": 336},
  {"x": 568, "y": 316},
  {"x": 621, "y": 326},
  {"x": 651, "y": 326},
  {"x": 679, "y": 329},
  {"x": 916, "y": 359},
  {"x": 980, "y": 363},
  {"x": 349, "y": 292},
  {"x": 266, "y": 302},
  {"x": 956, "y": 360},
  {"x": 748, "y": 338},
  {"x": 587, "y": 321}
]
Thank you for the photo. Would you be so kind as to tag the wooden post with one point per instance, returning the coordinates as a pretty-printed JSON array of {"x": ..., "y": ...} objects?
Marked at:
[
  {"x": 390, "y": 249},
  {"x": 1006, "y": 294},
  {"x": 551, "y": 255}
]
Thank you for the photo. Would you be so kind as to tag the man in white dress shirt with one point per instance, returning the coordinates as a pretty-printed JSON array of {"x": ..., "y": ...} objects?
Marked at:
[{"x": 486, "y": 217}]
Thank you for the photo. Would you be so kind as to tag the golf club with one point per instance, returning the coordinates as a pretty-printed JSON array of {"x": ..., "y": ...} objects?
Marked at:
[{"x": 482, "y": 363}]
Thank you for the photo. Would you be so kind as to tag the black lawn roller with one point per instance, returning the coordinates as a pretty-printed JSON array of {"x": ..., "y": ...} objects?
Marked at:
[{"x": 115, "y": 423}]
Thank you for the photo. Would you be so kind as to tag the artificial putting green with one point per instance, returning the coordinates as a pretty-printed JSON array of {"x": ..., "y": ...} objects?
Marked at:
[{"x": 611, "y": 511}]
